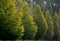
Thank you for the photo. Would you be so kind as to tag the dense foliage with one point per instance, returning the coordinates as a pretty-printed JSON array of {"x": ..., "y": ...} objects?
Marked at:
[
  {"x": 50, "y": 32},
  {"x": 56, "y": 26},
  {"x": 18, "y": 22},
  {"x": 29, "y": 25},
  {"x": 40, "y": 22},
  {"x": 10, "y": 20}
]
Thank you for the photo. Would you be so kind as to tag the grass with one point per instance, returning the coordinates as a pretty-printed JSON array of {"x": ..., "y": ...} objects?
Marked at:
[
  {"x": 26, "y": 40},
  {"x": 19, "y": 40},
  {"x": 29, "y": 40}
]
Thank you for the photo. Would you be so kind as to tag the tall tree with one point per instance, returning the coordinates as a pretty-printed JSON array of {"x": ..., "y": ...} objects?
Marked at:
[
  {"x": 56, "y": 26},
  {"x": 59, "y": 26},
  {"x": 40, "y": 22},
  {"x": 59, "y": 17},
  {"x": 29, "y": 25},
  {"x": 10, "y": 21},
  {"x": 50, "y": 32}
]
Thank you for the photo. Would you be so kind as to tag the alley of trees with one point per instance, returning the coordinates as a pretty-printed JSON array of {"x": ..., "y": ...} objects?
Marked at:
[{"x": 18, "y": 23}]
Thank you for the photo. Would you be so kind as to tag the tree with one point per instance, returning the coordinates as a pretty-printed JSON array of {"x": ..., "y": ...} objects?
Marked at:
[
  {"x": 50, "y": 32},
  {"x": 29, "y": 25},
  {"x": 10, "y": 21},
  {"x": 56, "y": 26},
  {"x": 59, "y": 17},
  {"x": 40, "y": 22}
]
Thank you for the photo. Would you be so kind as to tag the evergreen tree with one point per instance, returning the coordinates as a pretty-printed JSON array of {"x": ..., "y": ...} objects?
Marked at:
[
  {"x": 29, "y": 25},
  {"x": 40, "y": 22},
  {"x": 10, "y": 21},
  {"x": 50, "y": 32},
  {"x": 56, "y": 26},
  {"x": 59, "y": 17}
]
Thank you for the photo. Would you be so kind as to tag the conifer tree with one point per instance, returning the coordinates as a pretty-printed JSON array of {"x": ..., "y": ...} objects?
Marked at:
[
  {"x": 50, "y": 32},
  {"x": 40, "y": 22},
  {"x": 29, "y": 25},
  {"x": 10, "y": 21},
  {"x": 59, "y": 17},
  {"x": 56, "y": 26}
]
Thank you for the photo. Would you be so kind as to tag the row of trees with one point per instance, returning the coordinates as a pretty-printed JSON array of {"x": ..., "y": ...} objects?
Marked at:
[{"x": 18, "y": 23}]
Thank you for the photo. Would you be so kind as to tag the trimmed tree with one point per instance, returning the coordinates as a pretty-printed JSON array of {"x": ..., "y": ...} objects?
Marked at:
[
  {"x": 10, "y": 21},
  {"x": 29, "y": 25},
  {"x": 56, "y": 26},
  {"x": 50, "y": 32},
  {"x": 40, "y": 22}
]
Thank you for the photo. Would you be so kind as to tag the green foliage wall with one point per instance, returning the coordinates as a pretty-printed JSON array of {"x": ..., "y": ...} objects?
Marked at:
[
  {"x": 10, "y": 21},
  {"x": 17, "y": 22}
]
